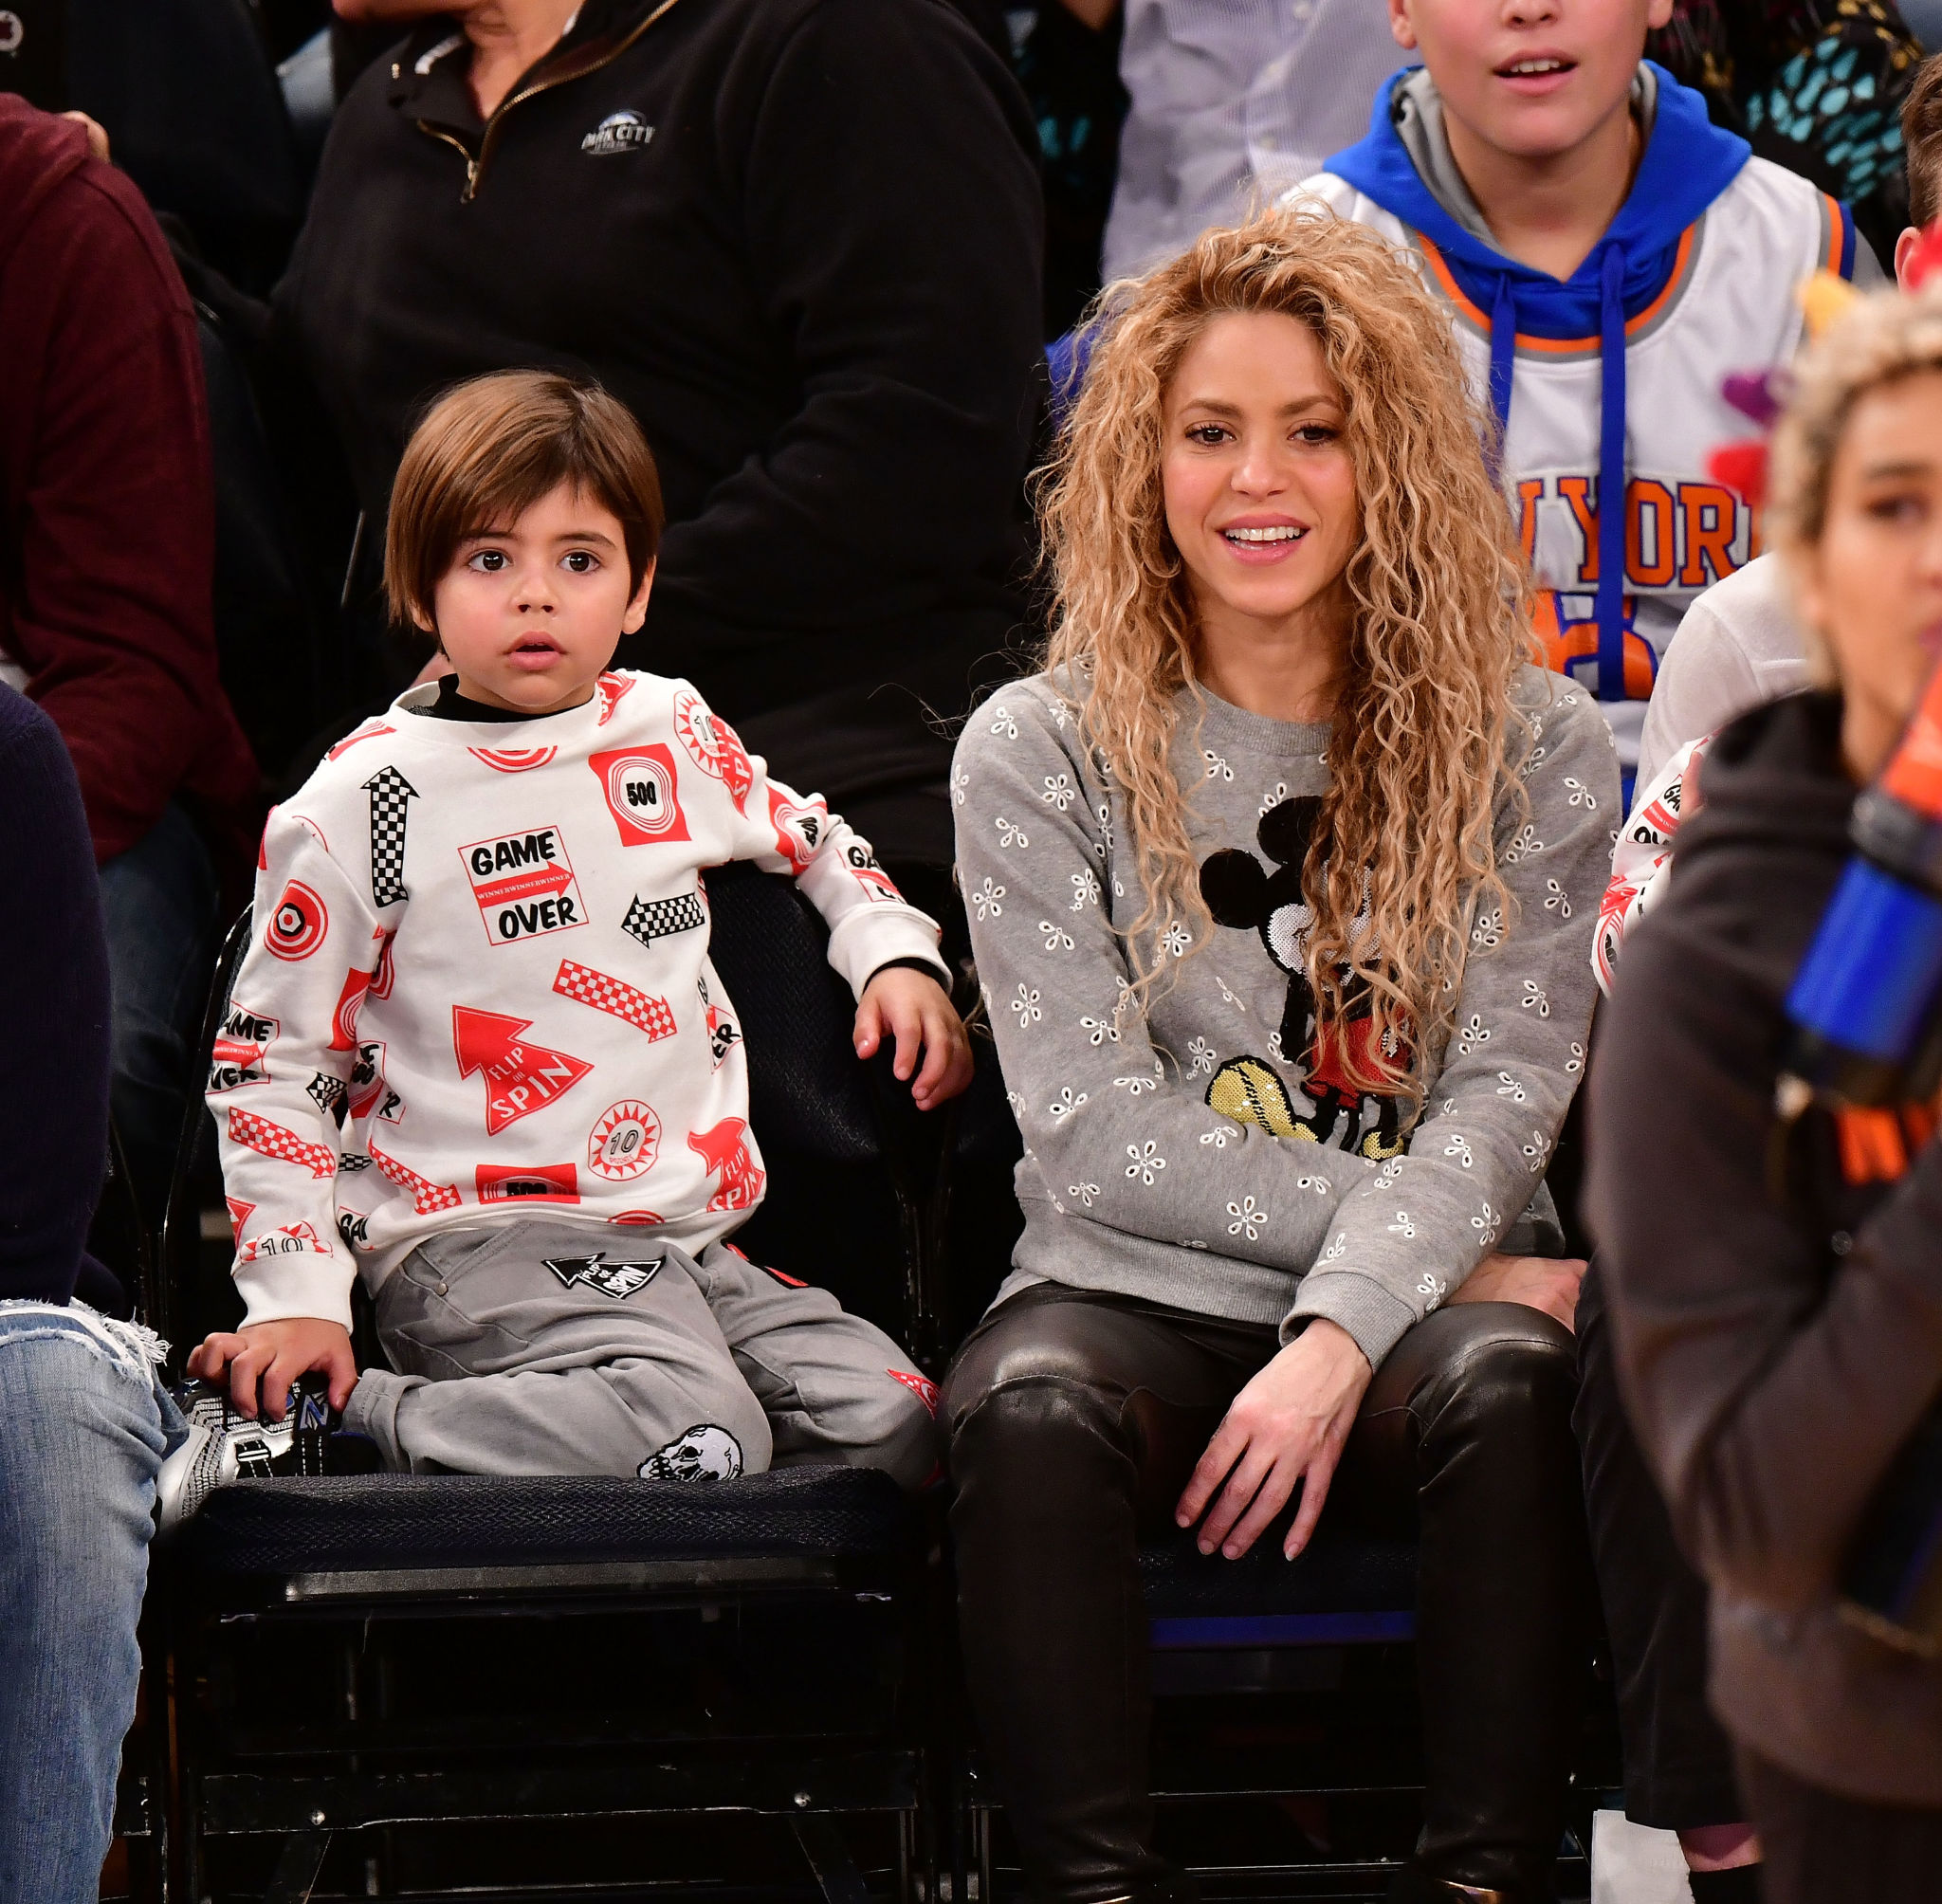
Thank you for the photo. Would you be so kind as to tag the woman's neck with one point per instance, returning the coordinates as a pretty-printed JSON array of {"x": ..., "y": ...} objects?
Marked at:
[
  {"x": 509, "y": 37},
  {"x": 1287, "y": 670}
]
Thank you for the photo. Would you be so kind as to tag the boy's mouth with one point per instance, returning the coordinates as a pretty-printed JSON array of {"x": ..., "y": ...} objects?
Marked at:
[
  {"x": 535, "y": 651},
  {"x": 1537, "y": 71}
]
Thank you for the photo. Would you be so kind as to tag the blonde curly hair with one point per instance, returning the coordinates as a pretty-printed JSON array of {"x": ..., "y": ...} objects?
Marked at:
[
  {"x": 1419, "y": 748},
  {"x": 1881, "y": 338}
]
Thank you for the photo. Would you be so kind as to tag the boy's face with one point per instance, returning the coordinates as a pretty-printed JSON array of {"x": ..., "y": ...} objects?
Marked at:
[
  {"x": 531, "y": 612},
  {"x": 1530, "y": 78}
]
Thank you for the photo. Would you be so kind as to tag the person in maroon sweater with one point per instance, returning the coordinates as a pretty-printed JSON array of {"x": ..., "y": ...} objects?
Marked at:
[{"x": 106, "y": 554}]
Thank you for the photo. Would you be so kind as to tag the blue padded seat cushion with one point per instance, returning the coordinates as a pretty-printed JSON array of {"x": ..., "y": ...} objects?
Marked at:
[
  {"x": 1340, "y": 1572},
  {"x": 376, "y": 1521}
]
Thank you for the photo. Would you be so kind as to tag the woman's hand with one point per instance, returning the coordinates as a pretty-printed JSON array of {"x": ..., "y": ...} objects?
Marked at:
[
  {"x": 911, "y": 1007},
  {"x": 275, "y": 1354},
  {"x": 1289, "y": 1424},
  {"x": 1547, "y": 1283}
]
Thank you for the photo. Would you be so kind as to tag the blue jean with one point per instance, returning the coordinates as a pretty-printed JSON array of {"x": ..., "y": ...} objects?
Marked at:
[
  {"x": 84, "y": 1425},
  {"x": 158, "y": 902}
]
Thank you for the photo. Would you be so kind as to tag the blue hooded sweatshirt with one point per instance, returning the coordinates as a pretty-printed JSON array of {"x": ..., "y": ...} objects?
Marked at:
[{"x": 1687, "y": 163}]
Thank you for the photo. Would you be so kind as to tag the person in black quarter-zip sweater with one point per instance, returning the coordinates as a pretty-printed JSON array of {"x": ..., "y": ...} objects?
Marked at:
[{"x": 799, "y": 239}]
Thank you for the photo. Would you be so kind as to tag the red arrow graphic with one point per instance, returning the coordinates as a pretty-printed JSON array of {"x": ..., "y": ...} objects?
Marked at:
[{"x": 520, "y": 1077}]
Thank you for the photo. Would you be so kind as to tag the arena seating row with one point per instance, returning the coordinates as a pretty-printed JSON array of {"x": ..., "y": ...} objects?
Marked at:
[{"x": 521, "y": 1688}]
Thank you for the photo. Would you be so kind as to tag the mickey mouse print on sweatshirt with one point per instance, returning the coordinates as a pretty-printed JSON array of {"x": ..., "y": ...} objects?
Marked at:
[{"x": 1200, "y": 1147}]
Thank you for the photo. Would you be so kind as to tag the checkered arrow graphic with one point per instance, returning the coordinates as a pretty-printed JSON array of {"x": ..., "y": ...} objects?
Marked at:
[{"x": 391, "y": 795}]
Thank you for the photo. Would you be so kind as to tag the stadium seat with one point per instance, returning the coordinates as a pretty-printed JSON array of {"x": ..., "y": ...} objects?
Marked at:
[{"x": 442, "y": 1684}]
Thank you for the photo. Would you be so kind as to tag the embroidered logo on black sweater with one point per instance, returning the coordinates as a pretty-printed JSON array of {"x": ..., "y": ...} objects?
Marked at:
[{"x": 618, "y": 132}]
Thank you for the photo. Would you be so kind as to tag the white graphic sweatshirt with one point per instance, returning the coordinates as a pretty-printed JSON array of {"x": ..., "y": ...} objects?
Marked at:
[{"x": 480, "y": 980}]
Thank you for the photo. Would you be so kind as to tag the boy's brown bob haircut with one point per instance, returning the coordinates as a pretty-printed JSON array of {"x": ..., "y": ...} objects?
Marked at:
[
  {"x": 491, "y": 447},
  {"x": 1921, "y": 139}
]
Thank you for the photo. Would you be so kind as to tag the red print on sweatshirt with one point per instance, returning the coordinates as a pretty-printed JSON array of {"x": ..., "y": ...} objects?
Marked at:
[
  {"x": 724, "y": 1149},
  {"x": 798, "y": 828},
  {"x": 521, "y": 1077},
  {"x": 528, "y": 1183},
  {"x": 639, "y": 786},
  {"x": 523, "y": 885},
  {"x": 513, "y": 760},
  {"x": 272, "y": 1140},
  {"x": 610, "y": 688},
  {"x": 714, "y": 748},
  {"x": 297, "y": 922},
  {"x": 350, "y": 741},
  {"x": 426, "y": 1196},
  {"x": 343, "y": 1022}
]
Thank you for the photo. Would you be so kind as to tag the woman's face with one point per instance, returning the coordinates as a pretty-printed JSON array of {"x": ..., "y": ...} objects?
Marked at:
[
  {"x": 1258, "y": 481},
  {"x": 1873, "y": 582}
]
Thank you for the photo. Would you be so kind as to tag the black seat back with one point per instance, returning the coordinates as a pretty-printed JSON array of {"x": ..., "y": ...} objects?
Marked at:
[{"x": 189, "y": 95}]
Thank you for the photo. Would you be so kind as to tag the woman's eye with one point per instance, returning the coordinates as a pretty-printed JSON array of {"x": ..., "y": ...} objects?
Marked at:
[
  {"x": 1898, "y": 509},
  {"x": 489, "y": 561},
  {"x": 1206, "y": 433},
  {"x": 581, "y": 561},
  {"x": 1313, "y": 433}
]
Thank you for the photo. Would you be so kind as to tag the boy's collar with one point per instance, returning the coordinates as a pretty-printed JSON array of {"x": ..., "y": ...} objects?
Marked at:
[{"x": 1687, "y": 162}]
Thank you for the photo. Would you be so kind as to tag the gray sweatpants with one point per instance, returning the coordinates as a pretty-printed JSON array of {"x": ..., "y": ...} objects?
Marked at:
[{"x": 544, "y": 1347}]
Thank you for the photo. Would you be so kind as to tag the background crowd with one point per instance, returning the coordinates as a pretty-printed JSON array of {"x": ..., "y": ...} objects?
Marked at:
[{"x": 819, "y": 249}]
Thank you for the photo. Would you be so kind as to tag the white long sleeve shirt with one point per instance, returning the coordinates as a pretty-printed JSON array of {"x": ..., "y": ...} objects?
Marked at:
[{"x": 480, "y": 980}]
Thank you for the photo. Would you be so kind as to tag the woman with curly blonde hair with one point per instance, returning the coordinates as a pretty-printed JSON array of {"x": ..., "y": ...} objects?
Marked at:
[{"x": 1281, "y": 877}]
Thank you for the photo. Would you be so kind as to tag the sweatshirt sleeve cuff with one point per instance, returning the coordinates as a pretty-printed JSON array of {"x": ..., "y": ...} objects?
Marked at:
[
  {"x": 305, "y": 1284},
  {"x": 1370, "y": 1313},
  {"x": 867, "y": 940}
]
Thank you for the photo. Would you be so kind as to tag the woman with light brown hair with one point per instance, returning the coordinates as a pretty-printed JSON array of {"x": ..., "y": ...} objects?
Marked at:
[
  {"x": 1281, "y": 877},
  {"x": 1781, "y": 1350}
]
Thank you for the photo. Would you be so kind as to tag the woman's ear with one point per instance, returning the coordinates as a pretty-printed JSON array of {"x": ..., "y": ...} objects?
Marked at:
[{"x": 638, "y": 605}]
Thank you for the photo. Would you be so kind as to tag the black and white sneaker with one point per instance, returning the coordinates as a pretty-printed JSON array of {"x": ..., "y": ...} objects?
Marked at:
[{"x": 224, "y": 1446}]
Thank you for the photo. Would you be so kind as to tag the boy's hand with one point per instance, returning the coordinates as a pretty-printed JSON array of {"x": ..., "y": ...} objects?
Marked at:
[
  {"x": 911, "y": 1007},
  {"x": 275, "y": 1354}
]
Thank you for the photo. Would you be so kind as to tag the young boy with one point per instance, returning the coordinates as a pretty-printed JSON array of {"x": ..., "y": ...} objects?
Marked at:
[
  {"x": 1609, "y": 258},
  {"x": 477, "y": 1053}
]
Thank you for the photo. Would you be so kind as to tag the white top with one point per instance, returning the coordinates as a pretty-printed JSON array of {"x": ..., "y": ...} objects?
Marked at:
[
  {"x": 484, "y": 947},
  {"x": 1738, "y": 648}
]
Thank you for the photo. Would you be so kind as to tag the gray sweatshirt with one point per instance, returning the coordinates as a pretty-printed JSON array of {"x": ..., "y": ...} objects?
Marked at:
[{"x": 1174, "y": 1154}]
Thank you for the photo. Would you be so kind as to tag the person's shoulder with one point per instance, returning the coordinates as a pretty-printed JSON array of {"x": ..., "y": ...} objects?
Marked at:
[
  {"x": 27, "y": 730},
  {"x": 1764, "y": 203},
  {"x": 1036, "y": 710},
  {"x": 1328, "y": 192},
  {"x": 95, "y": 220},
  {"x": 1751, "y": 610},
  {"x": 1555, "y": 702}
]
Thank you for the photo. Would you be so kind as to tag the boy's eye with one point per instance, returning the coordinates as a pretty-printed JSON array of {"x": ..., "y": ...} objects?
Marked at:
[
  {"x": 487, "y": 561},
  {"x": 581, "y": 561}
]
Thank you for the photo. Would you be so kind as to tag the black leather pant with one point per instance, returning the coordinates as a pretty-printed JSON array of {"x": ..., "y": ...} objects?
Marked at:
[
  {"x": 1678, "y": 1765},
  {"x": 1075, "y": 1421}
]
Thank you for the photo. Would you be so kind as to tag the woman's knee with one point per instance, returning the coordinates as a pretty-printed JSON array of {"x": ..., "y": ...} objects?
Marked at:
[{"x": 1496, "y": 1369}]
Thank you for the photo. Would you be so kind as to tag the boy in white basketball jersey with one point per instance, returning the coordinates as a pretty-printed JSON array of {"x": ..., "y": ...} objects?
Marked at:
[{"x": 1609, "y": 257}]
